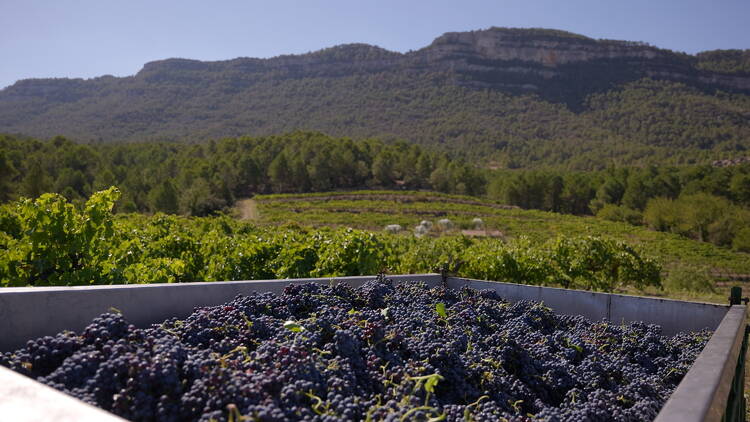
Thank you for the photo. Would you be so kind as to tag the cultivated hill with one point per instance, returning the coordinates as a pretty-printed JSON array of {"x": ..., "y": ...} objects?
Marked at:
[
  {"x": 373, "y": 210},
  {"x": 514, "y": 97}
]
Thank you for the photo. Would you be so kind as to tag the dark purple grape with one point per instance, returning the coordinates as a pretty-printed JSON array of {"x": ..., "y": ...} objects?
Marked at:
[{"x": 384, "y": 352}]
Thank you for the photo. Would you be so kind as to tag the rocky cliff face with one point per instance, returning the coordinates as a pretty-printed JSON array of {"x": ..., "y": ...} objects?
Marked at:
[
  {"x": 548, "y": 48},
  {"x": 499, "y": 58}
]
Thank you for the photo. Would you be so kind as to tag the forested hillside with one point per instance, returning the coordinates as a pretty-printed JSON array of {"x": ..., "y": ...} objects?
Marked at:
[
  {"x": 205, "y": 178},
  {"x": 502, "y": 97},
  {"x": 703, "y": 202}
]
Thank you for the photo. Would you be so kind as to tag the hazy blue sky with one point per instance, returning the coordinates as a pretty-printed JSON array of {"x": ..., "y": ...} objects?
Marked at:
[{"x": 88, "y": 38}]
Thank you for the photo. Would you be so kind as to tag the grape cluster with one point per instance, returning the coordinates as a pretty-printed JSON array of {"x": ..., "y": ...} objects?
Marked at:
[{"x": 377, "y": 353}]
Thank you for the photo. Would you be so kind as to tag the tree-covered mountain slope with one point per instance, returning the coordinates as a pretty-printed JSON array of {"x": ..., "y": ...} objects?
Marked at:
[{"x": 512, "y": 97}]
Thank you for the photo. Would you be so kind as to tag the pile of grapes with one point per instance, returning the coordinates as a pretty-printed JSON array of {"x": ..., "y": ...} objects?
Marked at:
[{"x": 375, "y": 353}]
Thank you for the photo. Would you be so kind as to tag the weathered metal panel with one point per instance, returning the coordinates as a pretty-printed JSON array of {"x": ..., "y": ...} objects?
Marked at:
[
  {"x": 673, "y": 315},
  {"x": 31, "y": 312},
  {"x": 702, "y": 394}
]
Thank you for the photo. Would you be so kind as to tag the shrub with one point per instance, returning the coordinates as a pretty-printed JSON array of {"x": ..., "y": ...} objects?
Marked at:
[
  {"x": 613, "y": 212},
  {"x": 741, "y": 241},
  {"x": 690, "y": 279}
]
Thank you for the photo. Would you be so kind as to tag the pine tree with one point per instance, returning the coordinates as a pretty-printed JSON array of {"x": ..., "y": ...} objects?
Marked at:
[
  {"x": 164, "y": 198},
  {"x": 35, "y": 182},
  {"x": 7, "y": 172}
]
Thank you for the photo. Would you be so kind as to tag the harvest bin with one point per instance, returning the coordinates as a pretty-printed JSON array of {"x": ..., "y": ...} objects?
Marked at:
[{"x": 712, "y": 390}]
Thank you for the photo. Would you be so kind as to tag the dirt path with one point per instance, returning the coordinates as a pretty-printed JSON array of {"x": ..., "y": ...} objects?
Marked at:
[{"x": 248, "y": 209}]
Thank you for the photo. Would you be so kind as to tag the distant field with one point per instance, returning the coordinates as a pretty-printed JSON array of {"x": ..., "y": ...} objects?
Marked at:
[{"x": 375, "y": 209}]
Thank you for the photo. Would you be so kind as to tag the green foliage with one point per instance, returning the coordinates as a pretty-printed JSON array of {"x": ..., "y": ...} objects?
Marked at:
[
  {"x": 56, "y": 244},
  {"x": 700, "y": 216},
  {"x": 424, "y": 255},
  {"x": 624, "y": 214},
  {"x": 740, "y": 188},
  {"x": 725, "y": 61},
  {"x": 7, "y": 173},
  {"x": 294, "y": 327},
  {"x": 440, "y": 310},
  {"x": 164, "y": 198},
  {"x": 155, "y": 270},
  {"x": 205, "y": 179},
  {"x": 374, "y": 210},
  {"x": 48, "y": 241},
  {"x": 741, "y": 241},
  {"x": 517, "y": 261},
  {"x": 349, "y": 252},
  {"x": 689, "y": 278},
  {"x": 701, "y": 202},
  {"x": 35, "y": 182},
  {"x": 661, "y": 214},
  {"x": 589, "y": 263}
]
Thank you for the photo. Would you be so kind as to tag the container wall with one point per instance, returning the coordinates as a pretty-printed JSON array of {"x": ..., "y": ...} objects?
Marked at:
[
  {"x": 25, "y": 400},
  {"x": 32, "y": 312},
  {"x": 27, "y": 313},
  {"x": 673, "y": 315},
  {"x": 705, "y": 394}
]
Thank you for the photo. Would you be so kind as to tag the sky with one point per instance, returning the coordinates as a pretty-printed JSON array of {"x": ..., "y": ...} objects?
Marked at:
[{"x": 86, "y": 38}]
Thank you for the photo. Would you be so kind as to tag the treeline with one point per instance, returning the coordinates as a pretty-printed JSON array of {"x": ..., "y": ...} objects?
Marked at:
[
  {"x": 702, "y": 202},
  {"x": 202, "y": 179},
  {"x": 206, "y": 178},
  {"x": 725, "y": 61}
]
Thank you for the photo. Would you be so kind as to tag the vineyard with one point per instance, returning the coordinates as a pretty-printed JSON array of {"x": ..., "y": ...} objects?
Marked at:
[
  {"x": 373, "y": 210},
  {"x": 48, "y": 241}
]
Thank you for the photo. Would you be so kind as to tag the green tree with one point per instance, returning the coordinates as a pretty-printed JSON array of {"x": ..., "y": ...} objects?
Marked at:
[
  {"x": 577, "y": 194},
  {"x": 553, "y": 193},
  {"x": 104, "y": 179},
  {"x": 739, "y": 187},
  {"x": 741, "y": 241},
  {"x": 7, "y": 173},
  {"x": 164, "y": 198},
  {"x": 382, "y": 169},
  {"x": 71, "y": 182},
  {"x": 636, "y": 193},
  {"x": 249, "y": 175},
  {"x": 424, "y": 170},
  {"x": 661, "y": 214},
  {"x": 200, "y": 199},
  {"x": 698, "y": 212},
  {"x": 609, "y": 192},
  {"x": 613, "y": 212},
  {"x": 35, "y": 182},
  {"x": 278, "y": 173},
  {"x": 440, "y": 178}
]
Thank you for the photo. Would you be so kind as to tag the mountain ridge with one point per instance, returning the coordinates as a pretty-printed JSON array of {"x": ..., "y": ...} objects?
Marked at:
[
  {"x": 548, "y": 55},
  {"x": 465, "y": 89}
]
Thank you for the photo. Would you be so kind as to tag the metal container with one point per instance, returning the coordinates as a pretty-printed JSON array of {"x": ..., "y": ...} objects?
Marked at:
[{"x": 712, "y": 390}]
